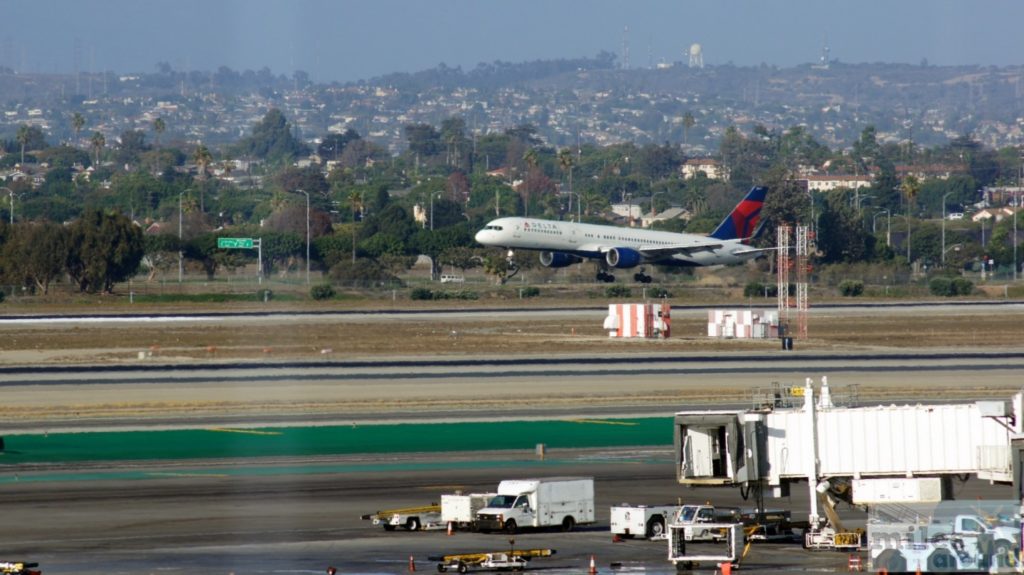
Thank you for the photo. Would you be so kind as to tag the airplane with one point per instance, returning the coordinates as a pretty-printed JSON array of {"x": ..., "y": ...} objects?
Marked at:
[{"x": 562, "y": 244}]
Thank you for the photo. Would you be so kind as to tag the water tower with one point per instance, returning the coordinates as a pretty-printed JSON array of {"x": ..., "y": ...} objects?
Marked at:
[{"x": 696, "y": 56}]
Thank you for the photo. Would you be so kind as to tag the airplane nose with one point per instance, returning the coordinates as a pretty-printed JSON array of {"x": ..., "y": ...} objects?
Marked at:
[{"x": 481, "y": 236}]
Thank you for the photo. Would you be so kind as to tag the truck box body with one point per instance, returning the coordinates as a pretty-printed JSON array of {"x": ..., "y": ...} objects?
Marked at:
[
  {"x": 641, "y": 520},
  {"x": 460, "y": 510},
  {"x": 545, "y": 502}
]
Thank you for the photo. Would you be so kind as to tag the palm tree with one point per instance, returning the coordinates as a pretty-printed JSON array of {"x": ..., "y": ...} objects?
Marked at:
[
  {"x": 22, "y": 139},
  {"x": 97, "y": 141},
  {"x": 202, "y": 158},
  {"x": 77, "y": 122},
  {"x": 159, "y": 126},
  {"x": 355, "y": 201},
  {"x": 910, "y": 186},
  {"x": 565, "y": 162},
  {"x": 530, "y": 157},
  {"x": 688, "y": 122}
]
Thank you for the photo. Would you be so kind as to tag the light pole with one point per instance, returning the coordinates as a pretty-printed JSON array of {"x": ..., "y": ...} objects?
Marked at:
[
  {"x": 653, "y": 195},
  {"x": 432, "y": 194},
  {"x": 180, "y": 263},
  {"x": 305, "y": 193},
  {"x": 874, "y": 219},
  {"x": 944, "y": 228}
]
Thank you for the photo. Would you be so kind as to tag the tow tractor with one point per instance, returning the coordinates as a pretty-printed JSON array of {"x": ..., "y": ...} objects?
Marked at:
[
  {"x": 19, "y": 568},
  {"x": 411, "y": 518},
  {"x": 511, "y": 560}
]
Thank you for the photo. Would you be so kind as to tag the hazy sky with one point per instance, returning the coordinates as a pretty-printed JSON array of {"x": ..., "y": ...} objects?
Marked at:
[{"x": 349, "y": 40}]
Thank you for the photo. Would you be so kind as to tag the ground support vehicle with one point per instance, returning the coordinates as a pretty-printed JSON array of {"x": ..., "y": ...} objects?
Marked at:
[
  {"x": 19, "y": 568},
  {"x": 642, "y": 520},
  {"x": 511, "y": 560},
  {"x": 695, "y": 521},
  {"x": 410, "y": 518},
  {"x": 961, "y": 543},
  {"x": 459, "y": 511},
  {"x": 546, "y": 502}
]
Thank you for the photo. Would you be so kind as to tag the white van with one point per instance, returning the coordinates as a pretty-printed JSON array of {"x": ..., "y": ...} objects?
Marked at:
[{"x": 452, "y": 279}]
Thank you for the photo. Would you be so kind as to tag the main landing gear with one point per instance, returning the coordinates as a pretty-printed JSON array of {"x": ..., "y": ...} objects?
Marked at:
[
  {"x": 641, "y": 277},
  {"x": 604, "y": 276},
  {"x": 513, "y": 267}
]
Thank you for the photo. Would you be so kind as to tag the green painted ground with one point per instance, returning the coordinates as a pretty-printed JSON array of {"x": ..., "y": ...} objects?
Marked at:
[{"x": 339, "y": 440}]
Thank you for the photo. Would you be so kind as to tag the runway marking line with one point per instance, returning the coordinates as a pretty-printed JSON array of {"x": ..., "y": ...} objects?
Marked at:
[
  {"x": 168, "y": 474},
  {"x": 247, "y": 431},
  {"x": 603, "y": 422}
]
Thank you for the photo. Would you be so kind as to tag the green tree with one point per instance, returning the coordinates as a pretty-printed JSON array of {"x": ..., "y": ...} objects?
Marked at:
[
  {"x": 272, "y": 140},
  {"x": 909, "y": 187},
  {"x": 36, "y": 254},
  {"x": 688, "y": 123},
  {"x": 159, "y": 127},
  {"x": 77, "y": 122},
  {"x": 840, "y": 235},
  {"x": 103, "y": 249},
  {"x": 97, "y": 141}
]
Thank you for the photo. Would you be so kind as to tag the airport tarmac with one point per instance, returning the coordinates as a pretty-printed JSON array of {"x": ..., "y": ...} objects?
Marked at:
[{"x": 197, "y": 518}]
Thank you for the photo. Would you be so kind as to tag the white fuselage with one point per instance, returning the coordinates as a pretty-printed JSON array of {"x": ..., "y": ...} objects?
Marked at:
[{"x": 593, "y": 241}]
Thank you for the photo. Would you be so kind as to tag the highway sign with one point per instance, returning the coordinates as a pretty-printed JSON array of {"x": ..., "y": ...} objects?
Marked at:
[{"x": 234, "y": 243}]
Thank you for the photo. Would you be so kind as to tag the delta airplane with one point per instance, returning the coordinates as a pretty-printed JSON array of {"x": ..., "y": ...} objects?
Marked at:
[{"x": 562, "y": 244}]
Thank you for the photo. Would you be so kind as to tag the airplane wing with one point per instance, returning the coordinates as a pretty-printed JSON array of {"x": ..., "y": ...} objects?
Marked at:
[{"x": 662, "y": 252}]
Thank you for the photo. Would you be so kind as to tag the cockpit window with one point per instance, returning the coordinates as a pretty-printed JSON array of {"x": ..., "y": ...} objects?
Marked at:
[{"x": 495, "y": 228}]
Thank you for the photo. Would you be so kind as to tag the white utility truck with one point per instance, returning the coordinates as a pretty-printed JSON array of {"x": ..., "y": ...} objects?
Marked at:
[
  {"x": 545, "y": 502},
  {"x": 960, "y": 543},
  {"x": 692, "y": 519},
  {"x": 459, "y": 511},
  {"x": 642, "y": 520}
]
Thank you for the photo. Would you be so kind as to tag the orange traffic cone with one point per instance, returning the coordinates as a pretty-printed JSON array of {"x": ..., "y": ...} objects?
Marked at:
[
  {"x": 331, "y": 571},
  {"x": 593, "y": 567},
  {"x": 412, "y": 565},
  {"x": 450, "y": 528},
  {"x": 616, "y": 538}
]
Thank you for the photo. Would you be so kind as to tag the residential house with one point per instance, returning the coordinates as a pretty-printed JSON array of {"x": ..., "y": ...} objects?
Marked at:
[{"x": 713, "y": 169}]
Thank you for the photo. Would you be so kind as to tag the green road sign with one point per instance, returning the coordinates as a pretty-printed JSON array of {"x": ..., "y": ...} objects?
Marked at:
[{"x": 234, "y": 243}]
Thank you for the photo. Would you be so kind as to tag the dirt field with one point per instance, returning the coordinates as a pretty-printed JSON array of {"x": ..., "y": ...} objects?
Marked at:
[{"x": 468, "y": 335}]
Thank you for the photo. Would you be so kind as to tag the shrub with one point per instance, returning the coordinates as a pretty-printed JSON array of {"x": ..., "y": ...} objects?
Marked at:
[
  {"x": 659, "y": 293},
  {"x": 618, "y": 291},
  {"x": 322, "y": 292},
  {"x": 421, "y": 293},
  {"x": 758, "y": 289},
  {"x": 851, "y": 288},
  {"x": 962, "y": 286},
  {"x": 531, "y": 291},
  {"x": 941, "y": 286}
]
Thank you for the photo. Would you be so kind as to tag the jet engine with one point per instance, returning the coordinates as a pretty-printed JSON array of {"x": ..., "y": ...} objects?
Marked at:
[
  {"x": 623, "y": 258},
  {"x": 558, "y": 259}
]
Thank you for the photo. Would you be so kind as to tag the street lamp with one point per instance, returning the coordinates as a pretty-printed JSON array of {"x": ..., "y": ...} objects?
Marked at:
[
  {"x": 888, "y": 229},
  {"x": 653, "y": 195},
  {"x": 181, "y": 266},
  {"x": 305, "y": 193},
  {"x": 944, "y": 228}
]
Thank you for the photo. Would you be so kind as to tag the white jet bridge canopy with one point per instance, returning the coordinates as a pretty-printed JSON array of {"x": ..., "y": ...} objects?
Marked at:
[{"x": 819, "y": 440}]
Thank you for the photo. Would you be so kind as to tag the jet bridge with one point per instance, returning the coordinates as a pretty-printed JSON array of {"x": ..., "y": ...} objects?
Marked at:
[{"x": 818, "y": 440}]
